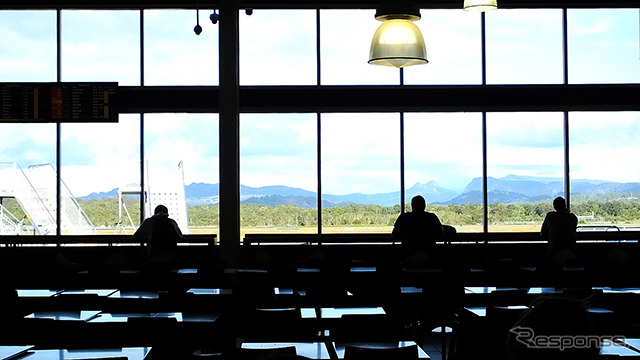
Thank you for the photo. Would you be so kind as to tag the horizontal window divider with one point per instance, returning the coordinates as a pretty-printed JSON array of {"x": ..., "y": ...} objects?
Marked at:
[
  {"x": 116, "y": 239},
  {"x": 379, "y": 98},
  {"x": 295, "y": 4},
  {"x": 460, "y": 238}
]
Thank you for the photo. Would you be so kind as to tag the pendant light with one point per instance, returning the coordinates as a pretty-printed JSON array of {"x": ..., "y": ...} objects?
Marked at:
[
  {"x": 480, "y": 5},
  {"x": 398, "y": 42}
]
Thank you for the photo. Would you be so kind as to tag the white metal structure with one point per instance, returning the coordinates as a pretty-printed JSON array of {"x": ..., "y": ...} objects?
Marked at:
[
  {"x": 164, "y": 190},
  {"x": 9, "y": 224},
  {"x": 35, "y": 191}
]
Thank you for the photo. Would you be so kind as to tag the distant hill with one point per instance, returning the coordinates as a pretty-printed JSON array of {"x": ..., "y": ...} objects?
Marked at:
[
  {"x": 100, "y": 195},
  {"x": 511, "y": 189}
]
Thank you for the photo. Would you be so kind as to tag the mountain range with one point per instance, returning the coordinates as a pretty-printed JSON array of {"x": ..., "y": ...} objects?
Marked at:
[{"x": 511, "y": 189}]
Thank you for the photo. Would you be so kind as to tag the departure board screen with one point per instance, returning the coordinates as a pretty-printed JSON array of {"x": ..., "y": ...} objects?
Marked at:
[{"x": 59, "y": 102}]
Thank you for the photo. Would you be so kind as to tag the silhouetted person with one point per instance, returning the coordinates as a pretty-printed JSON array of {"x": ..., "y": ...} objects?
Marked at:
[
  {"x": 559, "y": 227},
  {"x": 417, "y": 231},
  {"x": 559, "y": 230},
  {"x": 160, "y": 233}
]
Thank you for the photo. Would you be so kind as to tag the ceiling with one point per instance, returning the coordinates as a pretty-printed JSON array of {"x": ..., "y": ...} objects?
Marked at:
[{"x": 297, "y": 4}]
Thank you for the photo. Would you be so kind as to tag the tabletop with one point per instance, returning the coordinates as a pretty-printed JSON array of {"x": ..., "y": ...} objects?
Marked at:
[
  {"x": 336, "y": 313},
  {"x": 134, "y": 353},
  {"x": 12, "y": 352},
  {"x": 339, "y": 347},
  {"x": 83, "y": 315},
  {"x": 312, "y": 350}
]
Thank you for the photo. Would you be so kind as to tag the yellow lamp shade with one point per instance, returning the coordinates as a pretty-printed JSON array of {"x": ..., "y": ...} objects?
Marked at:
[
  {"x": 398, "y": 43},
  {"x": 480, "y": 5}
]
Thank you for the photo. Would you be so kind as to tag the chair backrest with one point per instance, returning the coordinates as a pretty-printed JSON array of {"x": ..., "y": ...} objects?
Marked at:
[
  {"x": 393, "y": 353},
  {"x": 272, "y": 324},
  {"x": 285, "y": 352},
  {"x": 366, "y": 328}
]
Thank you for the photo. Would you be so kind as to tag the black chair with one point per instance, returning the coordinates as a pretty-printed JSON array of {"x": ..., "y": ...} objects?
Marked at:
[
  {"x": 283, "y": 324},
  {"x": 379, "y": 328},
  {"x": 286, "y": 352},
  {"x": 370, "y": 353}
]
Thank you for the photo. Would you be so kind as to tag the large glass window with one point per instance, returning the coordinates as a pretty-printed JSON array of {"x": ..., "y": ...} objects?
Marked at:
[
  {"x": 603, "y": 46},
  {"x": 98, "y": 158},
  {"x": 524, "y": 47},
  {"x": 278, "y": 173},
  {"x": 278, "y": 47},
  {"x": 174, "y": 54},
  {"x": 27, "y": 46},
  {"x": 100, "y": 187},
  {"x": 452, "y": 38},
  {"x": 443, "y": 162},
  {"x": 101, "y": 46},
  {"x": 360, "y": 159},
  {"x": 345, "y": 38},
  {"x": 360, "y": 172},
  {"x": 182, "y": 173},
  {"x": 525, "y": 168},
  {"x": 605, "y": 178},
  {"x": 27, "y": 197}
]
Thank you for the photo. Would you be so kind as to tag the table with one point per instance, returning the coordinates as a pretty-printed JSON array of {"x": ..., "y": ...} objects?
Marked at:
[
  {"x": 336, "y": 313},
  {"x": 629, "y": 347},
  {"x": 98, "y": 292},
  {"x": 312, "y": 350},
  {"x": 207, "y": 291},
  {"x": 178, "y": 316},
  {"x": 339, "y": 347},
  {"x": 31, "y": 293},
  {"x": 83, "y": 315},
  {"x": 133, "y": 353},
  {"x": 12, "y": 352},
  {"x": 134, "y": 294}
]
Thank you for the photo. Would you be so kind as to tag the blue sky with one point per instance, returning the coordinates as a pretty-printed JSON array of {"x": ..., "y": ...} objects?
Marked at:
[{"x": 360, "y": 151}]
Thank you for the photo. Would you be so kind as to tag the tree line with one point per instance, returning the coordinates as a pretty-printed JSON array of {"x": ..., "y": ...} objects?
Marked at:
[{"x": 104, "y": 213}]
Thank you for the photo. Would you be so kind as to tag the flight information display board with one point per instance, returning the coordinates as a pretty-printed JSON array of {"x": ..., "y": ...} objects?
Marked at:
[{"x": 59, "y": 102}]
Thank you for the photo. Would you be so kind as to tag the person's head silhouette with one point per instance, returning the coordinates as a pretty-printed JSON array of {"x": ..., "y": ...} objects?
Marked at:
[
  {"x": 161, "y": 209},
  {"x": 418, "y": 203},
  {"x": 559, "y": 204}
]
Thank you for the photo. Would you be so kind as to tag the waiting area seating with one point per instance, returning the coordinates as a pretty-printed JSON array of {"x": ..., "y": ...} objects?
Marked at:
[{"x": 327, "y": 300}]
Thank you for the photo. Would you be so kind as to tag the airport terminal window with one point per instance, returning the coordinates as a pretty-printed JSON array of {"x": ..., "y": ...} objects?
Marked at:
[
  {"x": 524, "y": 168},
  {"x": 101, "y": 46},
  {"x": 606, "y": 40},
  {"x": 360, "y": 151},
  {"x": 345, "y": 39},
  {"x": 101, "y": 170},
  {"x": 27, "y": 148},
  {"x": 174, "y": 54},
  {"x": 443, "y": 162},
  {"x": 278, "y": 173},
  {"x": 604, "y": 173},
  {"x": 36, "y": 59},
  {"x": 524, "y": 47},
  {"x": 361, "y": 165},
  {"x": 181, "y": 155},
  {"x": 454, "y": 58},
  {"x": 278, "y": 47}
]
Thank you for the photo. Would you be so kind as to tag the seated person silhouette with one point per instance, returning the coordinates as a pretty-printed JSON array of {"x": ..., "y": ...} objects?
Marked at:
[
  {"x": 417, "y": 231},
  {"x": 559, "y": 230},
  {"x": 161, "y": 235}
]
